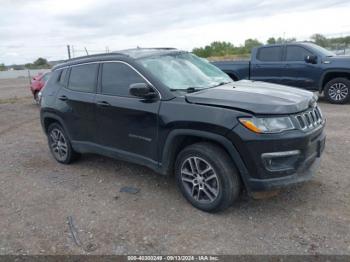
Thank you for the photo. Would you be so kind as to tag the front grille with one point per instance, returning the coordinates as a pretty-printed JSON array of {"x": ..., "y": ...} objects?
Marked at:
[{"x": 310, "y": 119}]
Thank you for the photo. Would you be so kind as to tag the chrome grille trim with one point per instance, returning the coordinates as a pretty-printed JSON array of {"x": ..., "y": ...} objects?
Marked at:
[{"x": 310, "y": 119}]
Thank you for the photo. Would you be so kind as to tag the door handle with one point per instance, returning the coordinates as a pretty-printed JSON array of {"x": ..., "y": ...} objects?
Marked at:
[
  {"x": 63, "y": 98},
  {"x": 103, "y": 103}
]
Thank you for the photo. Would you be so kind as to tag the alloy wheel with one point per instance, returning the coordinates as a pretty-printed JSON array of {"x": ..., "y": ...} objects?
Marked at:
[
  {"x": 58, "y": 144},
  {"x": 200, "y": 180},
  {"x": 338, "y": 91}
]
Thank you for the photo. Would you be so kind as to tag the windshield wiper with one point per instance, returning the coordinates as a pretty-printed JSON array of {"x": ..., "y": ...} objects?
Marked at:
[
  {"x": 188, "y": 90},
  {"x": 192, "y": 89},
  {"x": 220, "y": 84}
]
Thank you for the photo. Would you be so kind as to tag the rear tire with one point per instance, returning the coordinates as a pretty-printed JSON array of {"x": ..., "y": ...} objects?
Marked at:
[
  {"x": 60, "y": 145},
  {"x": 337, "y": 91},
  {"x": 207, "y": 177}
]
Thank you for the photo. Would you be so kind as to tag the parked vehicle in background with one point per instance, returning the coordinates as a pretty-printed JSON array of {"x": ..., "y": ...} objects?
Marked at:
[
  {"x": 178, "y": 114},
  {"x": 303, "y": 65},
  {"x": 37, "y": 83}
]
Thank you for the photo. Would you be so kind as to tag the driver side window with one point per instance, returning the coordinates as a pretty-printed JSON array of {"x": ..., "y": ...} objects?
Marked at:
[
  {"x": 117, "y": 77},
  {"x": 296, "y": 53}
]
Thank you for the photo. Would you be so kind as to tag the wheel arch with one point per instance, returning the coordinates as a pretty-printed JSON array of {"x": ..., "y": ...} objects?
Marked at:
[
  {"x": 331, "y": 74},
  {"x": 180, "y": 138},
  {"x": 48, "y": 118},
  {"x": 232, "y": 74}
]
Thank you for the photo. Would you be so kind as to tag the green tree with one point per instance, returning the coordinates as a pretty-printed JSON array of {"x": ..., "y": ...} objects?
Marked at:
[
  {"x": 202, "y": 52},
  {"x": 216, "y": 48},
  {"x": 222, "y": 48},
  {"x": 281, "y": 40},
  {"x": 320, "y": 40},
  {"x": 249, "y": 44},
  {"x": 336, "y": 43},
  {"x": 271, "y": 41},
  {"x": 29, "y": 66},
  {"x": 41, "y": 62},
  {"x": 2, "y": 67}
]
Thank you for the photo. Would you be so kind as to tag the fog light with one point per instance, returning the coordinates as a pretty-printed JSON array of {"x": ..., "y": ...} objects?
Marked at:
[{"x": 280, "y": 161}]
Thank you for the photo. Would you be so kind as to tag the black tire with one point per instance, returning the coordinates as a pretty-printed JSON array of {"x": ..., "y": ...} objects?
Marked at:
[
  {"x": 56, "y": 134},
  {"x": 227, "y": 183},
  {"x": 337, "y": 91}
]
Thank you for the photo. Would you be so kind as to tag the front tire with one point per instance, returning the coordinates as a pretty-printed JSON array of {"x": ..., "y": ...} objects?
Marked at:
[
  {"x": 337, "y": 91},
  {"x": 207, "y": 177},
  {"x": 60, "y": 145}
]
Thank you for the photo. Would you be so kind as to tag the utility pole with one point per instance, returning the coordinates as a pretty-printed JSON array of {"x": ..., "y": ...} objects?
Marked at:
[
  {"x": 87, "y": 53},
  {"x": 68, "y": 50},
  {"x": 29, "y": 78}
]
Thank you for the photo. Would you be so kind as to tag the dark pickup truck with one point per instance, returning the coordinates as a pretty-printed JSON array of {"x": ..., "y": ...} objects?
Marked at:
[{"x": 303, "y": 65}]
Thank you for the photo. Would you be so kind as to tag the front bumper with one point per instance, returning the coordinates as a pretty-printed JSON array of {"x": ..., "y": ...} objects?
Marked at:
[
  {"x": 305, "y": 148},
  {"x": 305, "y": 174}
]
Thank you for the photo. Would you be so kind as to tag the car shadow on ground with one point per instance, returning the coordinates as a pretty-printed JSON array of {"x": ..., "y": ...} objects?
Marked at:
[
  {"x": 323, "y": 100},
  {"x": 286, "y": 199}
]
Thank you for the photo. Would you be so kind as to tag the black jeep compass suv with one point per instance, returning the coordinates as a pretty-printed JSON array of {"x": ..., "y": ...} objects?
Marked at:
[{"x": 176, "y": 113}]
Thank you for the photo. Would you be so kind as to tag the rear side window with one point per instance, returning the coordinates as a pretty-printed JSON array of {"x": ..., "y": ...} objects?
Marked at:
[
  {"x": 62, "y": 79},
  {"x": 50, "y": 87},
  {"x": 117, "y": 77},
  {"x": 270, "y": 54},
  {"x": 296, "y": 53},
  {"x": 83, "y": 78}
]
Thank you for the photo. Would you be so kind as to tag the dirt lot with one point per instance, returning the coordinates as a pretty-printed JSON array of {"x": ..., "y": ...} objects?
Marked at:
[{"x": 37, "y": 195}]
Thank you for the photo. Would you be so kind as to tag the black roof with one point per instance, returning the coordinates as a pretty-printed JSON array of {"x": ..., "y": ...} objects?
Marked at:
[{"x": 130, "y": 53}]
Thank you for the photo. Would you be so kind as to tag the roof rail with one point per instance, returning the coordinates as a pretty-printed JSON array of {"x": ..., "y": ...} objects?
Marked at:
[
  {"x": 157, "y": 48},
  {"x": 94, "y": 55}
]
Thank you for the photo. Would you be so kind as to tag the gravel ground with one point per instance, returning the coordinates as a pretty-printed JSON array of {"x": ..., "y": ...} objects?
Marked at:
[{"x": 37, "y": 195}]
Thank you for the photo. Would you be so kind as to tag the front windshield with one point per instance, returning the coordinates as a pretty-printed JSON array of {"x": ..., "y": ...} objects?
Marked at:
[
  {"x": 322, "y": 50},
  {"x": 181, "y": 71}
]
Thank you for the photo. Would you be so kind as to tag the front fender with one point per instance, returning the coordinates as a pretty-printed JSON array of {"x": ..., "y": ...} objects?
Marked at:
[
  {"x": 330, "y": 71},
  {"x": 168, "y": 152}
]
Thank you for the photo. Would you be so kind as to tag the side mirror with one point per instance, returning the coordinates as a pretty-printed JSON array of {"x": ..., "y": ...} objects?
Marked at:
[
  {"x": 311, "y": 59},
  {"x": 142, "y": 90}
]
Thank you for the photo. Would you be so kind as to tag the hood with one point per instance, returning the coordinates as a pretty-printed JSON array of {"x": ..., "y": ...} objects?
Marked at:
[
  {"x": 255, "y": 97},
  {"x": 338, "y": 60}
]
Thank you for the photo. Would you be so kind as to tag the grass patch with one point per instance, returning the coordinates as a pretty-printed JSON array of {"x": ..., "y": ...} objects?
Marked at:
[{"x": 12, "y": 100}]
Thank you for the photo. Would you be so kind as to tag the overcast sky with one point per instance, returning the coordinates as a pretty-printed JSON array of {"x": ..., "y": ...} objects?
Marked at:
[{"x": 33, "y": 28}]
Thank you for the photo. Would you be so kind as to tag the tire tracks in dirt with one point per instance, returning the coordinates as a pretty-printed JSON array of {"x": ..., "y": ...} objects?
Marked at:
[{"x": 12, "y": 127}]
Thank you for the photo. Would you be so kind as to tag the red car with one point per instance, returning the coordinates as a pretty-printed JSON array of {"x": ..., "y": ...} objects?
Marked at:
[{"x": 38, "y": 83}]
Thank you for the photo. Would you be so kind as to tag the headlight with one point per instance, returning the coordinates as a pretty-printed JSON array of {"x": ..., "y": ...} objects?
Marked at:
[{"x": 268, "y": 124}]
